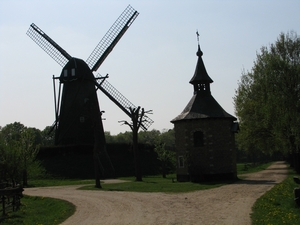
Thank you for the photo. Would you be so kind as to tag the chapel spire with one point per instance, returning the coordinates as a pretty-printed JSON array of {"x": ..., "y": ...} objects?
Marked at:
[{"x": 201, "y": 80}]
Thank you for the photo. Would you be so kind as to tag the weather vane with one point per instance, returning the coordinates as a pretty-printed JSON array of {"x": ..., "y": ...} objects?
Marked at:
[{"x": 197, "y": 33}]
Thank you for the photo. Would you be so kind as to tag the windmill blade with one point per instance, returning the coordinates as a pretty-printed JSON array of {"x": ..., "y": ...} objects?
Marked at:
[
  {"x": 120, "y": 100},
  {"x": 48, "y": 45},
  {"x": 111, "y": 38}
]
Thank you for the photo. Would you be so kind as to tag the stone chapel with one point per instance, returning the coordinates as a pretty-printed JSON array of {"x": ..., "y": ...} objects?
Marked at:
[{"x": 204, "y": 134}]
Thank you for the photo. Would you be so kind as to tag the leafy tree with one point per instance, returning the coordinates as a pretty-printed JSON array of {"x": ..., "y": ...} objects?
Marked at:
[
  {"x": 166, "y": 157},
  {"x": 267, "y": 99},
  {"x": 28, "y": 147},
  {"x": 12, "y": 132},
  {"x": 168, "y": 137},
  {"x": 10, "y": 162},
  {"x": 48, "y": 136},
  {"x": 125, "y": 137},
  {"x": 149, "y": 137},
  {"x": 108, "y": 137},
  {"x": 164, "y": 147},
  {"x": 18, "y": 148}
]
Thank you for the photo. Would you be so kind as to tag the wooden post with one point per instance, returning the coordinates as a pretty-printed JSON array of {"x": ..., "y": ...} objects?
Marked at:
[
  {"x": 99, "y": 142},
  {"x": 3, "y": 205}
]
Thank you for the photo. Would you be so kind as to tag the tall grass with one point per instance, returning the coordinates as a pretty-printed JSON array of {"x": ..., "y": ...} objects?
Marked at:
[{"x": 277, "y": 206}]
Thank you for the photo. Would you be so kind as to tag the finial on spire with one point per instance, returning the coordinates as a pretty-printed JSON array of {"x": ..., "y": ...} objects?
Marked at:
[{"x": 199, "y": 52}]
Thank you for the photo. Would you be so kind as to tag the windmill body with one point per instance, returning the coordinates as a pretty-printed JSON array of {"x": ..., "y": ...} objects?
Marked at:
[{"x": 78, "y": 104}]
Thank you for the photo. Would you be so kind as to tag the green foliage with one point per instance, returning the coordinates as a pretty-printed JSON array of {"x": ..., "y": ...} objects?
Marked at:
[
  {"x": 145, "y": 137},
  {"x": 47, "y": 136},
  {"x": 267, "y": 99},
  {"x": 162, "y": 142},
  {"x": 120, "y": 138},
  {"x": 40, "y": 210},
  {"x": 10, "y": 162},
  {"x": 18, "y": 147},
  {"x": 149, "y": 137},
  {"x": 277, "y": 206}
]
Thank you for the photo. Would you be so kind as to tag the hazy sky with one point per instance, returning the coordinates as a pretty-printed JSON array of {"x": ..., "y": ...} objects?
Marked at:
[{"x": 153, "y": 62}]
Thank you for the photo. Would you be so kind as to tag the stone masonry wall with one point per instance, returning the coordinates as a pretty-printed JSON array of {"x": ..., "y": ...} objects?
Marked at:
[{"x": 216, "y": 156}]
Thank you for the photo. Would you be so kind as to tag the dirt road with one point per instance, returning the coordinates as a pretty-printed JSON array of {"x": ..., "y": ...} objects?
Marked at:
[{"x": 230, "y": 204}]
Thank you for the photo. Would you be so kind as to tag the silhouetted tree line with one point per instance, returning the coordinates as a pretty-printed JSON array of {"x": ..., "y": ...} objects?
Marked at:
[{"x": 28, "y": 153}]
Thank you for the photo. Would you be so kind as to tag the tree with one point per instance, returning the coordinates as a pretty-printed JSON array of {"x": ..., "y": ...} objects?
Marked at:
[
  {"x": 125, "y": 137},
  {"x": 47, "y": 136},
  {"x": 108, "y": 137},
  {"x": 164, "y": 147},
  {"x": 29, "y": 145},
  {"x": 137, "y": 117},
  {"x": 149, "y": 137},
  {"x": 267, "y": 99},
  {"x": 10, "y": 156},
  {"x": 18, "y": 148}
]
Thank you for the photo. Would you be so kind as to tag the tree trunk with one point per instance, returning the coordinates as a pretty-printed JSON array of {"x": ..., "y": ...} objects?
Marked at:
[
  {"x": 99, "y": 146},
  {"x": 97, "y": 171},
  {"x": 163, "y": 168},
  {"x": 138, "y": 172},
  {"x": 25, "y": 178}
]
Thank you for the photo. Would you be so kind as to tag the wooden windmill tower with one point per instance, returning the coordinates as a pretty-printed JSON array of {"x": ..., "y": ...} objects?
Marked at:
[{"x": 78, "y": 115}]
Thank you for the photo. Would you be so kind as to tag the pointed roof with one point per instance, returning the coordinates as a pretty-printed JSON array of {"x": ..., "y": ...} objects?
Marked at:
[
  {"x": 200, "y": 75},
  {"x": 202, "y": 107}
]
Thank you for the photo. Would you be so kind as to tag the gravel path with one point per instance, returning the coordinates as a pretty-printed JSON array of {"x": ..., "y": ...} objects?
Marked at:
[{"x": 230, "y": 204}]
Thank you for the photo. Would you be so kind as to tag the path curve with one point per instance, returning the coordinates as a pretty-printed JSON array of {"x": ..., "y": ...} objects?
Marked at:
[{"x": 228, "y": 204}]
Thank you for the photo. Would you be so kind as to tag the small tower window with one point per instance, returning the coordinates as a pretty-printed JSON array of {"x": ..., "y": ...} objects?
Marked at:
[
  {"x": 198, "y": 139},
  {"x": 65, "y": 73},
  {"x": 180, "y": 161}
]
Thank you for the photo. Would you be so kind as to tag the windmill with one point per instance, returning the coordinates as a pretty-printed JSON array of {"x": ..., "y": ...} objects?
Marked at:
[{"x": 77, "y": 112}]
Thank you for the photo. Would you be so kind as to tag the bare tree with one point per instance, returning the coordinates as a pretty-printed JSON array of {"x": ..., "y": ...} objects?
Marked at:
[{"x": 137, "y": 120}]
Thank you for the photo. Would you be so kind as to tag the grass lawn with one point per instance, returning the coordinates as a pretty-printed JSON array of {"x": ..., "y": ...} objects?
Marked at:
[
  {"x": 277, "y": 206},
  {"x": 57, "y": 182},
  {"x": 39, "y": 210},
  {"x": 158, "y": 184},
  {"x": 241, "y": 169},
  {"x": 154, "y": 184}
]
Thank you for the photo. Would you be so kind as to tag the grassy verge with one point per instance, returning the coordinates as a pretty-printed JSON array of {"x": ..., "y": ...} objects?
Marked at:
[
  {"x": 57, "y": 182},
  {"x": 40, "y": 210},
  {"x": 243, "y": 168},
  {"x": 277, "y": 206}
]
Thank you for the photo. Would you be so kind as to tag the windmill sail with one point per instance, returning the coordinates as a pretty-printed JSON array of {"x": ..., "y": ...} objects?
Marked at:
[
  {"x": 48, "y": 45},
  {"x": 111, "y": 38},
  {"x": 120, "y": 100}
]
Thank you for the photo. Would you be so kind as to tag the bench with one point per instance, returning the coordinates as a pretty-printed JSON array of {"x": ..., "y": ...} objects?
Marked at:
[{"x": 10, "y": 198}]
